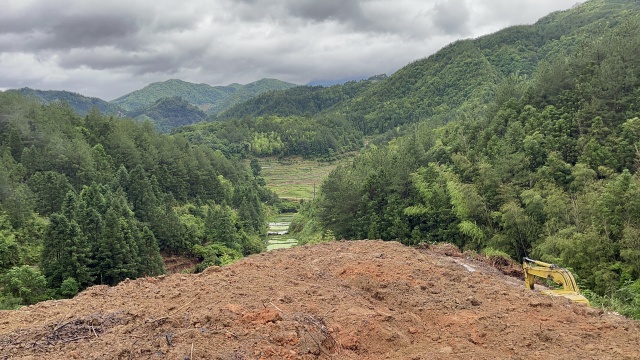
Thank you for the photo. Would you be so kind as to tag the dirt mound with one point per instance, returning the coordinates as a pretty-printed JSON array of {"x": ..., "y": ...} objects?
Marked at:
[{"x": 341, "y": 300}]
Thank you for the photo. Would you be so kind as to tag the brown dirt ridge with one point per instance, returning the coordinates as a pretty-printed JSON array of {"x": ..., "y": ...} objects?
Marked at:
[{"x": 340, "y": 300}]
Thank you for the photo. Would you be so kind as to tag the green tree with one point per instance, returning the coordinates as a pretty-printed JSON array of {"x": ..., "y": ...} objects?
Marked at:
[
  {"x": 151, "y": 260},
  {"x": 24, "y": 283},
  {"x": 220, "y": 227},
  {"x": 66, "y": 252},
  {"x": 9, "y": 250}
]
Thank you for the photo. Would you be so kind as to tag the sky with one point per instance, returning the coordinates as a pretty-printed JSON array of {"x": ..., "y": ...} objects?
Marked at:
[{"x": 107, "y": 49}]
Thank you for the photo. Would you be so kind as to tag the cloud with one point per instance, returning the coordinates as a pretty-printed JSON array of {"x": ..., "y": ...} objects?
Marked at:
[
  {"x": 452, "y": 17},
  {"x": 106, "y": 49},
  {"x": 343, "y": 10}
]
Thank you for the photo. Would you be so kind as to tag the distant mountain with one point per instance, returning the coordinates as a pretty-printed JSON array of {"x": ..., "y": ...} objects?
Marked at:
[
  {"x": 168, "y": 113},
  {"x": 298, "y": 101},
  {"x": 80, "y": 103},
  {"x": 210, "y": 99}
]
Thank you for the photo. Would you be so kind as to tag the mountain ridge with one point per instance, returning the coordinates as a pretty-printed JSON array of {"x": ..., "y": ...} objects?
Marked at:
[
  {"x": 80, "y": 103},
  {"x": 208, "y": 98}
]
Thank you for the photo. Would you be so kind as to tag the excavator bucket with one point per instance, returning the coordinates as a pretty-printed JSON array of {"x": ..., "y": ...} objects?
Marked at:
[
  {"x": 571, "y": 295},
  {"x": 534, "y": 268}
]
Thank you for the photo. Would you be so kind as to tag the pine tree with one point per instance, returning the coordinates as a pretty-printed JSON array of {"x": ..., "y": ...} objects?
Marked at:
[
  {"x": 151, "y": 260},
  {"x": 66, "y": 252},
  {"x": 142, "y": 196},
  {"x": 220, "y": 227}
]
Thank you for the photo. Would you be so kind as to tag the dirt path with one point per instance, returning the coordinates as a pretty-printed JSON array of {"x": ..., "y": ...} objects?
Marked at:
[{"x": 341, "y": 300}]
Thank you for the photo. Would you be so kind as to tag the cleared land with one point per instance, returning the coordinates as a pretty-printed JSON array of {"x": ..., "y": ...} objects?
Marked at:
[{"x": 339, "y": 300}]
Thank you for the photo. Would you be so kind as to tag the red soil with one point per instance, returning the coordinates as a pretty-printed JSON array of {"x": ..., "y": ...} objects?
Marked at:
[{"x": 340, "y": 300}]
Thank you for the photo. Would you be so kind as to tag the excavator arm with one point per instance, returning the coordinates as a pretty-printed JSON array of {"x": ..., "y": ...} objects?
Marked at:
[{"x": 534, "y": 268}]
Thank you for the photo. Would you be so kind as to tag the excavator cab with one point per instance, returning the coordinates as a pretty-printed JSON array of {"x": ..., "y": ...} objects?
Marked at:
[{"x": 533, "y": 268}]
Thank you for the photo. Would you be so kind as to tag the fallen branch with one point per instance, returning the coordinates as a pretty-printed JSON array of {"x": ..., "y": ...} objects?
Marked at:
[{"x": 74, "y": 339}]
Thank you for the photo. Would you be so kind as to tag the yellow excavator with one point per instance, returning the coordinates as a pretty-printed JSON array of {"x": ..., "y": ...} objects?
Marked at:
[{"x": 533, "y": 268}]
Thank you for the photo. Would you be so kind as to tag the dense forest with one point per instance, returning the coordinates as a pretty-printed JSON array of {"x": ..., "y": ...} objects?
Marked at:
[
  {"x": 547, "y": 169},
  {"x": 319, "y": 137},
  {"x": 168, "y": 113},
  {"x": 96, "y": 199}
]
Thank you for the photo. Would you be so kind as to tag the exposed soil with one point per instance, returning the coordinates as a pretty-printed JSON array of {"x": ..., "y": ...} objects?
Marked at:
[
  {"x": 340, "y": 300},
  {"x": 177, "y": 264}
]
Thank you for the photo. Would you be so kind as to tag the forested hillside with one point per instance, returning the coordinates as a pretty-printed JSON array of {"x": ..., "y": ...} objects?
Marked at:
[
  {"x": 464, "y": 75},
  {"x": 458, "y": 81},
  {"x": 95, "y": 199},
  {"x": 548, "y": 168},
  {"x": 168, "y": 113},
  {"x": 319, "y": 137},
  {"x": 80, "y": 103},
  {"x": 298, "y": 101},
  {"x": 211, "y": 99},
  {"x": 283, "y": 123}
]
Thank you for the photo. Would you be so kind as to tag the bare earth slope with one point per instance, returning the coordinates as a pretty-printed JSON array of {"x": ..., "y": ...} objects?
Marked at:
[{"x": 341, "y": 300}]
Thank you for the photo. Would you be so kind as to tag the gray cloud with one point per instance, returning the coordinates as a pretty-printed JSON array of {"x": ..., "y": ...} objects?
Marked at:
[
  {"x": 343, "y": 10},
  {"x": 106, "y": 49},
  {"x": 452, "y": 17}
]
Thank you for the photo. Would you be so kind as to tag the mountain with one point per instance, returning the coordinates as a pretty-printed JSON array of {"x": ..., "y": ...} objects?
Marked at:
[
  {"x": 463, "y": 75},
  {"x": 466, "y": 73},
  {"x": 211, "y": 99},
  {"x": 456, "y": 82},
  {"x": 170, "y": 112},
  {"x": 80, "y": 103}
]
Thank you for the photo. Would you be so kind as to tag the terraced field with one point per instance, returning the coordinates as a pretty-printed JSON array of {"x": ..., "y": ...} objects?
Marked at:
[
  {"x": 297, "y": 178},
  {"x": 278, "y": 238}
]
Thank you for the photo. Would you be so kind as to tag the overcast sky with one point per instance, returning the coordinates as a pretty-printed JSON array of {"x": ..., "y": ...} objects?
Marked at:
[{"x": 108, "y": 48}]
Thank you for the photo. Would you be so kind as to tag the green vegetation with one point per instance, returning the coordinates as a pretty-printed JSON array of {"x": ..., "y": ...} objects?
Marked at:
[
  {"x": 322, "y": 137},
  {"x": 168, "y": 113},
  {"x": 95, "y": 199},
  {"x": 80, "y": 104},
  {"x": 174, "y": 103},
  {"x": 211, "y": 99},
  {"x": 298, "y": 101}
]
